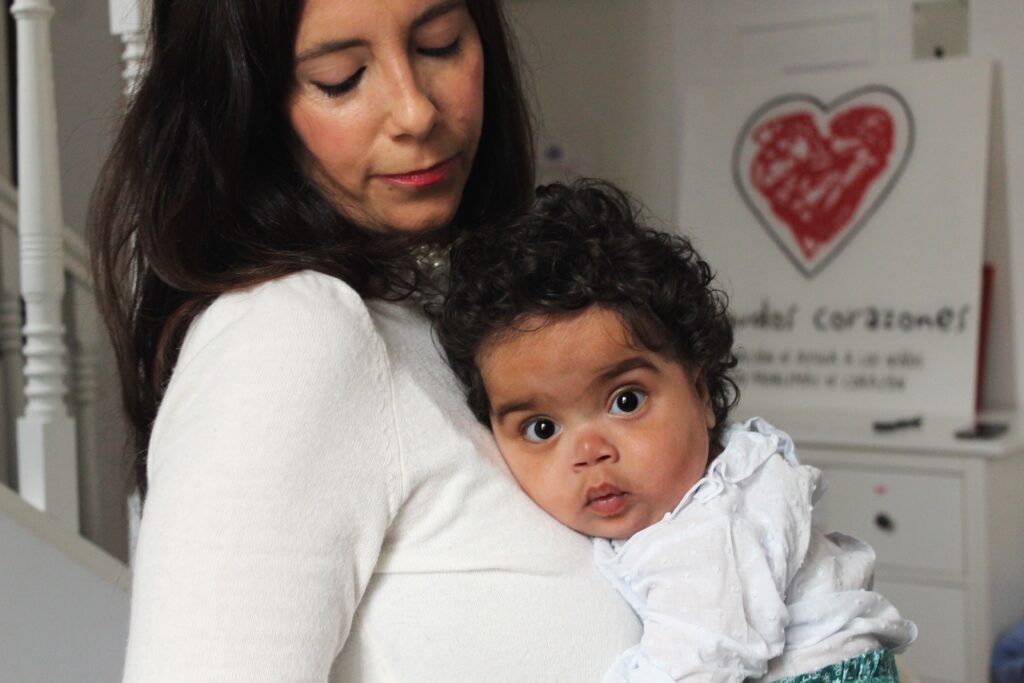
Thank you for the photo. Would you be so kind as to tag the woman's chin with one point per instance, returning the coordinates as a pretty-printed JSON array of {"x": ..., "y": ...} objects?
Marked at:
[{"x": 420, "y": 217}]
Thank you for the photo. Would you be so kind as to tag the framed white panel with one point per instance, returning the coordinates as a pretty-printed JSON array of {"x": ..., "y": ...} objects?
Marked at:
[{"x": 883, "y": 322}]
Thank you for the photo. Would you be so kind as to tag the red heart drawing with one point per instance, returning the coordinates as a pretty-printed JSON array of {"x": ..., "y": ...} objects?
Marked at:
[{"x": 814, "y": 173}]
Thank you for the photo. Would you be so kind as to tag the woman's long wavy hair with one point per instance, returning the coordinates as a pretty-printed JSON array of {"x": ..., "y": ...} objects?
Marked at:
[{"x": 205, "y": 192}]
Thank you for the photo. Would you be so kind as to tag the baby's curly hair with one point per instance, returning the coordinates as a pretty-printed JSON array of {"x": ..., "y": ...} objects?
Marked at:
[{"x": 583, "y": 245}]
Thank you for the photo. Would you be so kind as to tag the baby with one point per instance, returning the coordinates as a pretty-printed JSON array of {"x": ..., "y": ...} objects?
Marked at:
[{"x": 598, "y": 353}]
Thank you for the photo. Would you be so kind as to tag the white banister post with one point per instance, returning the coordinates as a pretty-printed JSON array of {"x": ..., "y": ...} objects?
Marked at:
[
  {"x": 127, "y": 19},
  {"x": 47, "y": 464}
]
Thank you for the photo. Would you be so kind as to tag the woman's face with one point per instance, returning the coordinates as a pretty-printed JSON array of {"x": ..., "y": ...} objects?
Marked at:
[{"x": 388, "y": 101}]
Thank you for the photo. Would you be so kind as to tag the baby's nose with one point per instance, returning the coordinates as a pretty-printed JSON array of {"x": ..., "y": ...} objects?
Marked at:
[{"x": 593, "y": 447}]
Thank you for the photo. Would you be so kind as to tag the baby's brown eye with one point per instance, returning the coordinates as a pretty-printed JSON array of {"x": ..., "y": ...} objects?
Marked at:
[
  {"x": 627, "y": 401},
  {"x": 539, "y": 429}
]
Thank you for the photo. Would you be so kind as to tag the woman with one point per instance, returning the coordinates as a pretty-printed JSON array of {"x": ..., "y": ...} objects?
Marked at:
[{"x": 319, "y": 502}]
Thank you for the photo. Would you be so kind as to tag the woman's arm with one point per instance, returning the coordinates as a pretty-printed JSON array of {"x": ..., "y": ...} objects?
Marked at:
[{"x": 274, "y": 473}]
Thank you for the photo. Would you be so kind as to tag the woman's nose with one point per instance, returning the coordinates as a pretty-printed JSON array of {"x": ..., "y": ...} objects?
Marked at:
[
  {"x": 412, "y": 111},
  {"x": 593, "y": 447}
]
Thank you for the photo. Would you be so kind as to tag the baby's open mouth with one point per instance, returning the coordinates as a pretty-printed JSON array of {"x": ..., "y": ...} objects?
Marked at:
[{"x": 606, "y": 499}]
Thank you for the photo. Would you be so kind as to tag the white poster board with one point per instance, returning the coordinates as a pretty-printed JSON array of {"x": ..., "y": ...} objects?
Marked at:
[{"x": 844, "y": 214}]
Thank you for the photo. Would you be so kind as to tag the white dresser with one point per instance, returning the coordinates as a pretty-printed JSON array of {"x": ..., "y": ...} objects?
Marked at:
[{"x": 946, "y": 517}]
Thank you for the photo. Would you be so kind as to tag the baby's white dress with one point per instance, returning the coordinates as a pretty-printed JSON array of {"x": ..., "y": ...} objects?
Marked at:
[{"x": 738, "y": 583}]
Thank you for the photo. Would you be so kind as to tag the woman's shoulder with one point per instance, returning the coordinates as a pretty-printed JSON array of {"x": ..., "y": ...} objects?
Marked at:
[
  {"x": 305, "y": 312},
  {"x": 273, "y": 359},
  {"x": 305, "y": 297},
  {"x": 306, "y": 286}
]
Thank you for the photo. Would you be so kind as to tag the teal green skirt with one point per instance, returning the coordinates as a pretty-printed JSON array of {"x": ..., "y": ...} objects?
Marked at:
[{"x": 877, "y": 666}]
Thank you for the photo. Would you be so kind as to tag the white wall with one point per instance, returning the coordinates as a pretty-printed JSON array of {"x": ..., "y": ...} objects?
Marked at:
[
  {"x": 87, "y": 74},
  {"x": 604, "y": 73},
  {"x": 64, "y": 603}
]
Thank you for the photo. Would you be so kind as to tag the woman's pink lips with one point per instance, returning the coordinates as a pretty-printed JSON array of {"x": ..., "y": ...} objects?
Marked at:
[
  {"x": 422, "y": 177},
  {"x": 606, "y": 500}
]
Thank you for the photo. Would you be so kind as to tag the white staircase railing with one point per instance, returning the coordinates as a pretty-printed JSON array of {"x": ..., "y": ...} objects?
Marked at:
[
  {"x": 127, "y": 21},
  {"x": 81, "y": 320},
  {"x": 50, "y": 336},
  {"x": 47, "y": 459}
]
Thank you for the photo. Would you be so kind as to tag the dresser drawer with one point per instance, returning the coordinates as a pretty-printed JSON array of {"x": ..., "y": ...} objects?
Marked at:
[
  {"x": 940, "y": 652},
  {"x": 913, "y": 520}
]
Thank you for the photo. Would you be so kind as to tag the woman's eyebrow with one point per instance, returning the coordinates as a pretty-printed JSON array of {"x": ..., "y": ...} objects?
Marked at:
[
  {"x": 437, "y": 10},
  {"x": 330, "y": 46},
  {"x": 327, "y": 48}
]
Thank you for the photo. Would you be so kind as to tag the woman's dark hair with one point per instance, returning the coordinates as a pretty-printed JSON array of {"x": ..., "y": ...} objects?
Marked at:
[
  {"x": 582, "y": 245},
  {"x": 205, "y": 192}
]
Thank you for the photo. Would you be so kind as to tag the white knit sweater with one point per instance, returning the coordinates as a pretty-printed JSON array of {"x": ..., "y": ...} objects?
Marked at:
[{"x": 323, "y": 506}]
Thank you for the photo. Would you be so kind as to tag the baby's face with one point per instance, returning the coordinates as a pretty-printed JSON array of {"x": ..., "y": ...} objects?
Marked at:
[{"x": 604, "y": 436}]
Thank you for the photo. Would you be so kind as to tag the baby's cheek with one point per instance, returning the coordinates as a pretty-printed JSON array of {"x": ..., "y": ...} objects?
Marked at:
[
  {"x": 544, "y": 489},
  {"x": 532, "y": 477},
  {"x": 521, "y": 468}
]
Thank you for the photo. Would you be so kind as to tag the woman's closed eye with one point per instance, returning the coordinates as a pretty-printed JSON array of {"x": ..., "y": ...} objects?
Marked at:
[
  {"x": 539, "y": 429},
  {"x": 342, "y": 87},
  {"x": 339, "y": 89},
  {"x": 627, "y": 401},
  {"x": 451, "y": 49}
]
